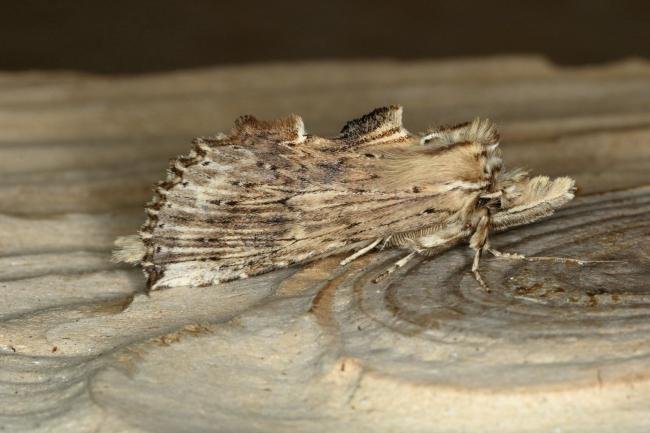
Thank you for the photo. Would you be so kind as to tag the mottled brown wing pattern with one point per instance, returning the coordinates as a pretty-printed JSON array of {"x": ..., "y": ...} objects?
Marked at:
[{"x": 267, "y": 196}]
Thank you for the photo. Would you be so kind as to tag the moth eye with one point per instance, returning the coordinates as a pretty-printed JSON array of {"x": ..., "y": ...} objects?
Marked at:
[
  {"x": 492, "y": 202},
  {"x": 428, "y": 138},
  {"x": 482, "y": 202}
]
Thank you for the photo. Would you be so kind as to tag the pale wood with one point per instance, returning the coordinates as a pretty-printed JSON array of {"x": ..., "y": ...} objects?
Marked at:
[{"x": 554, "y": 347}]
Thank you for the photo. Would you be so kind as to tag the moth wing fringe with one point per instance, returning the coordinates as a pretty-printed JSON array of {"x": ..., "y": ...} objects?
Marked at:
[{"x": 128, "y": 249}]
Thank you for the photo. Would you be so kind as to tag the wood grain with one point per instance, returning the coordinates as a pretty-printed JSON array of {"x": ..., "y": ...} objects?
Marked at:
[{"x": 554, "y": 347}]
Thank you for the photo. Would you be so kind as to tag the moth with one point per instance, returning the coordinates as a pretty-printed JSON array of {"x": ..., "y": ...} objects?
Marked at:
[{"x": 268, "y": 196}]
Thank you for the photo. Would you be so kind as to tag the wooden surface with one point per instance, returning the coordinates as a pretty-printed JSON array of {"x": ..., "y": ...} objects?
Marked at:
[{"x": 555, "y": 348}]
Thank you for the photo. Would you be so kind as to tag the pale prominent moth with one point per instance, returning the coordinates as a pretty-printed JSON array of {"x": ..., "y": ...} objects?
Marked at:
[{"x": 268, "y": 196}]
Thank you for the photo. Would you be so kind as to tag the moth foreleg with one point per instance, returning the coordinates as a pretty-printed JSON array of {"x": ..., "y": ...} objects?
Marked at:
[
  {"x": 475, "y": 270},
  {"x": 398, "y": 264},
  {"x": 478, "y": 242},
  {"x": 359, "y": 253}
]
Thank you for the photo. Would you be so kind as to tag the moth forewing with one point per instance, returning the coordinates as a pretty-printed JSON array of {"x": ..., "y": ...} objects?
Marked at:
[{"x": 268, "y": 196}]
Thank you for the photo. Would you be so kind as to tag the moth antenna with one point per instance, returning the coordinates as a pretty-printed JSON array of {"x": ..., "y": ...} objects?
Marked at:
[{"x": 129, "y": 249}]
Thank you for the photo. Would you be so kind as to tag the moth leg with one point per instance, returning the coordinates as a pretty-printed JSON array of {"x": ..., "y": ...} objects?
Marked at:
[
  {"x": 398, "y": 264},
  {"x": 517, "y": 256},
  {"x": 361, "y": 252},
  {"x": 501, "y": 255},
  {"x": 475, "y": 271},
  {"x": 383, "y": 244},
  {"x": 478, "y": 242}
]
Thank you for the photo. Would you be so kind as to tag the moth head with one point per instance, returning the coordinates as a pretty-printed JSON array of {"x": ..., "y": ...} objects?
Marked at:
[
  {"x": 468, "y": 152},
  {"x": 508, "y": 189},
  {"x": 491, "y": 200}
]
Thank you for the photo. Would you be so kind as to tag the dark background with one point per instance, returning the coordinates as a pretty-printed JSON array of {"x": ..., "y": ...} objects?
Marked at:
[{"x": 145, "y": 36}]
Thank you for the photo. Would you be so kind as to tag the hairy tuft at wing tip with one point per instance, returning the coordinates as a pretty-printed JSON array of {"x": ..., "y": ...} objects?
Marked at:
[{"x": 129, "y": 249}]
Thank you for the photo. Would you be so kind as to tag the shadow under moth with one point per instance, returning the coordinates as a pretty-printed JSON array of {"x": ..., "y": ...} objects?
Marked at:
[{"x": 268, "y": 196}]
